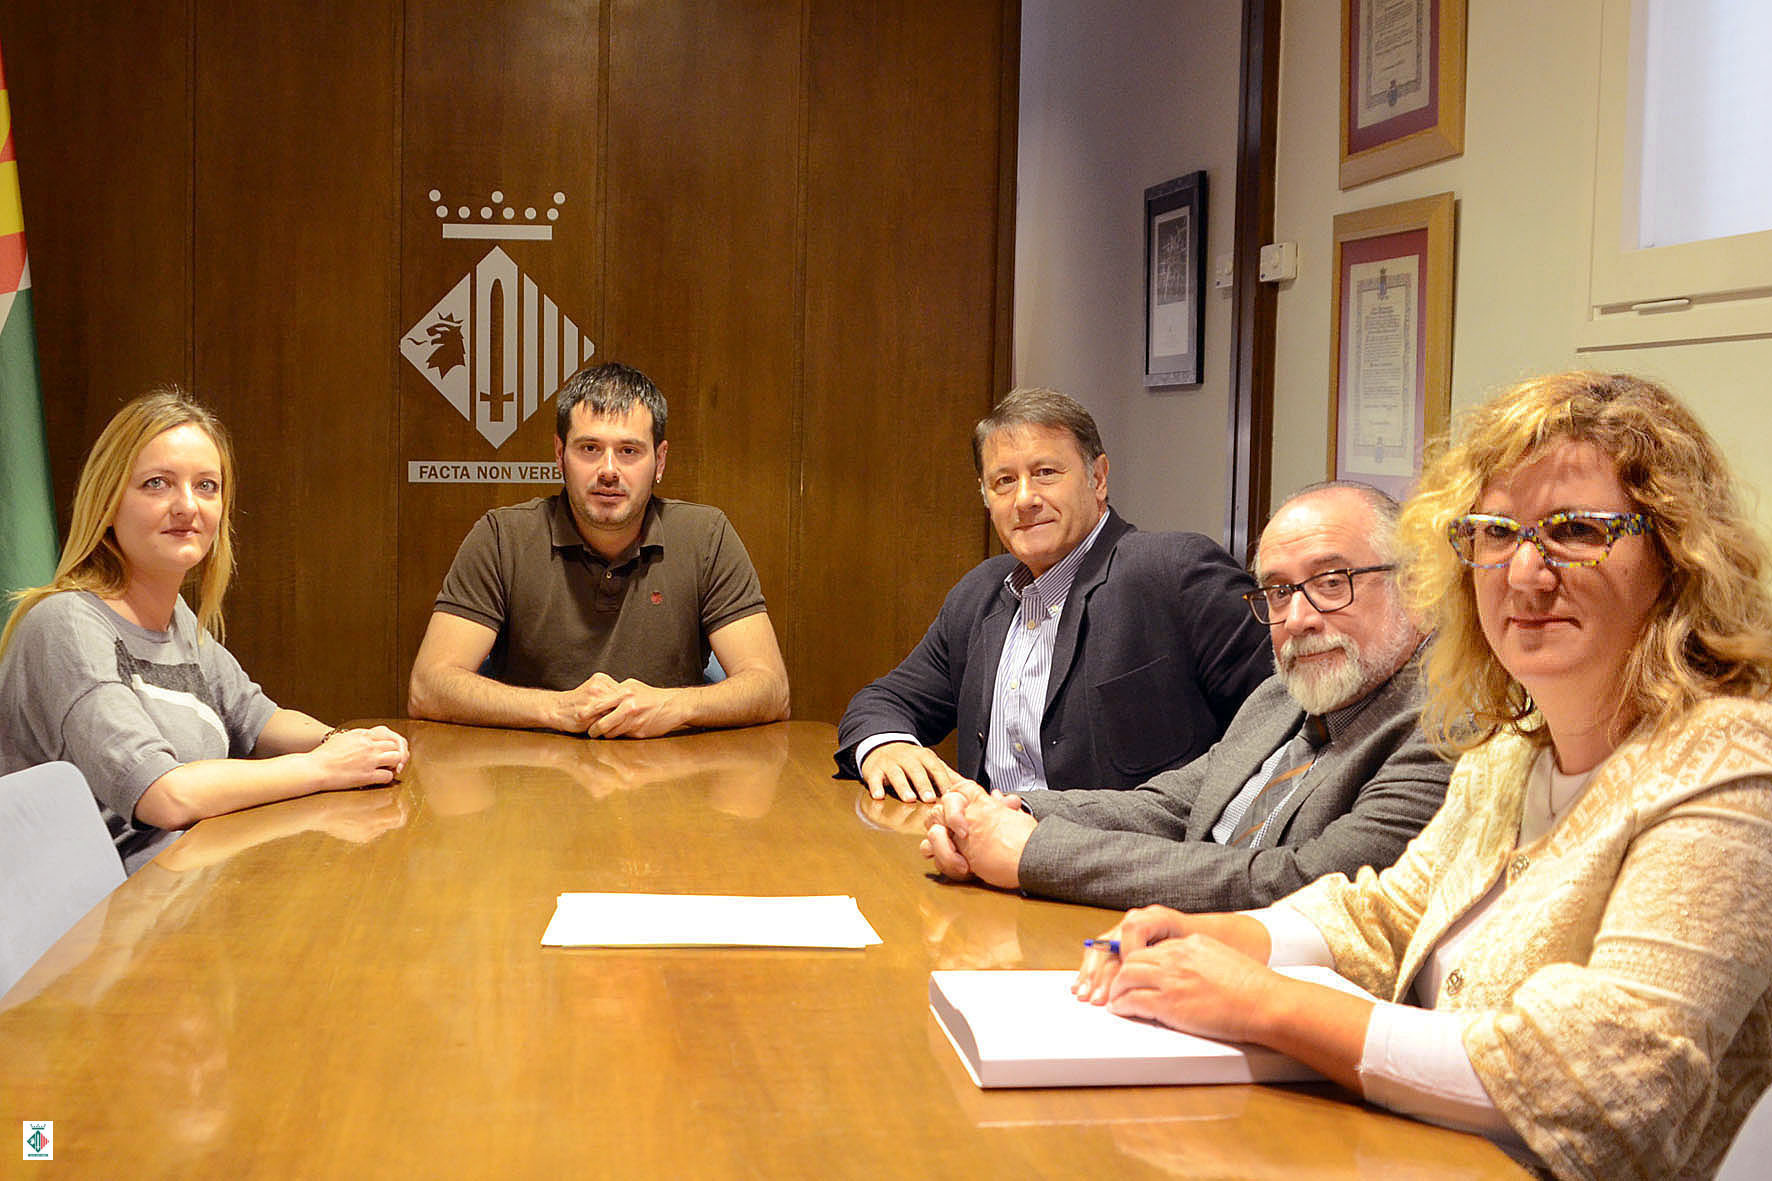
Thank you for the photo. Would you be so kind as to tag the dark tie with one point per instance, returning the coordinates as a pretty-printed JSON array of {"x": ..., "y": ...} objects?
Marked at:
[{"x": 1301, "y": 752}]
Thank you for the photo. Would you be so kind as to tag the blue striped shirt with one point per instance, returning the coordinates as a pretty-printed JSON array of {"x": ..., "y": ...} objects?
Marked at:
[{"x": 1012, "y": 757}]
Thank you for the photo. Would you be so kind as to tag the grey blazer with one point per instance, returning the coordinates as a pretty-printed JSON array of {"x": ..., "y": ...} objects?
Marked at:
[{"x": 1370, "y": 791}]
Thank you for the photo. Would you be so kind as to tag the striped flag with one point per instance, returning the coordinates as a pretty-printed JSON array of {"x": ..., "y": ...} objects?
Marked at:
[{"x": 27, "y": 503}]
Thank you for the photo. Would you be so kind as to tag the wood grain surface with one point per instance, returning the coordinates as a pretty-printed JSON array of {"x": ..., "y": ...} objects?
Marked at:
[{"x": 352, "y": 984}]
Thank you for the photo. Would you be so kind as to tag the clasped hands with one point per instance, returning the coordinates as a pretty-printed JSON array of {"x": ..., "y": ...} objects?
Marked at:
[
  {"x": 604, "y": 707},
  {"x": 363, "y": 757},
  {"x": 972, "y": 833}
]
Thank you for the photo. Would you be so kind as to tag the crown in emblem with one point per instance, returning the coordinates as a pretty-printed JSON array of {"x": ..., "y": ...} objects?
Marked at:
[{"x": 498, "y": 220}]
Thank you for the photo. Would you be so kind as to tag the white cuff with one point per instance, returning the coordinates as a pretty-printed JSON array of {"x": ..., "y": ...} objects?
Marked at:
[
  {"x": 1414, "y": 1062},
  {"x": 866, "y": 746},
  {"x": 1292, "y": 939}
]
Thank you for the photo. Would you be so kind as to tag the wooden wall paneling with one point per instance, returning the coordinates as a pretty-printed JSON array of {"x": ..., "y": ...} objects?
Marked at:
[
  {"x": 294, "y": 282},
  {"x": 1251, "y": 431},
  {"x": 808, "y": 243},
  {"x": 507, "y": 99},
  {"x": 1008, "y": 130},
  {"x": 903, "y": 181},
  {"x": 701, "y": 248},
  {"x": 101, "y": 110}
]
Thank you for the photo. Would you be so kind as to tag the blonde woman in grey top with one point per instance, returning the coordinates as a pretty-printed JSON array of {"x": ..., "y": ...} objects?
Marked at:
[{"x": 107, "y": 666}]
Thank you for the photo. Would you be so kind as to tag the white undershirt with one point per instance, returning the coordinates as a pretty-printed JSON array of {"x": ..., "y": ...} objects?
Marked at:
[{"x": 1414, "y": 1060}]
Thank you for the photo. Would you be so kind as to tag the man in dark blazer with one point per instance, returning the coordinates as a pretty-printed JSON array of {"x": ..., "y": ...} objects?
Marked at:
[
  {"x": 1324, "y": 769},
  {"x": 1089, "y": 653}
]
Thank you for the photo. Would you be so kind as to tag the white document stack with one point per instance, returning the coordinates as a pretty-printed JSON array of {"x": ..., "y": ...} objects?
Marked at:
[{"x": 1025, "y": 1029}]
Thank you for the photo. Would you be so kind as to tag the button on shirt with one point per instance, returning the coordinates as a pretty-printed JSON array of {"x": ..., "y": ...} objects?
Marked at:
[{"x": 1012, "y": 757}]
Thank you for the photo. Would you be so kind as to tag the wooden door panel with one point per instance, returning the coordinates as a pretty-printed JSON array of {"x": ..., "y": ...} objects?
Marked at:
[
  {"x": 293, "y": 246},
  {"x": 901, "y": 265},
  {"x": 702, "y": 218},
  {"x": 104, "y": 163}
]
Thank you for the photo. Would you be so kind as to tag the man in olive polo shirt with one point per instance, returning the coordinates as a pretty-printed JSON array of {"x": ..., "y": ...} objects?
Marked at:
[{"x": 594, "y": 610}]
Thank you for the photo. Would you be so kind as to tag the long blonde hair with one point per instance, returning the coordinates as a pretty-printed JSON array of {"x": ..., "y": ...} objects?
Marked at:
[
  {"x": 91, "y": 560},
  {"x": 1711, "y": 632}
]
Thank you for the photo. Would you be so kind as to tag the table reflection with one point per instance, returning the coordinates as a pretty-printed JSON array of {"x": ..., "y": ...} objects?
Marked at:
[{"x": 463, "y": 768}]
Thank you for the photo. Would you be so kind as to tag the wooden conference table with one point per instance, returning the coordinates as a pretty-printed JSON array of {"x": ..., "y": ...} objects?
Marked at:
[{"x": 353, "y": 985}]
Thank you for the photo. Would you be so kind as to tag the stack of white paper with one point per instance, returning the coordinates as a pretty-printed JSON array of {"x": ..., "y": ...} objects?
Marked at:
[
  {"x": 706, "y": 920},
  {"x": 1025, "y": 1029}
]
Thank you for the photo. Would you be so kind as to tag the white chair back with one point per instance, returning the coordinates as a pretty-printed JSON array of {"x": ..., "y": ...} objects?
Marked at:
[{"x": 56, "y": 861}]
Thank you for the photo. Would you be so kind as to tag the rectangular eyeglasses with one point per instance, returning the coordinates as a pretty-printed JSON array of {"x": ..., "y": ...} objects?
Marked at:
[{"x": 1329, "y": 591}]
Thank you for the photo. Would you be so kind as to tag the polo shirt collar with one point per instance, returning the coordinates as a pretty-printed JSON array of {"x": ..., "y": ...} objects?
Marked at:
[{"x": 564, "y": 534}]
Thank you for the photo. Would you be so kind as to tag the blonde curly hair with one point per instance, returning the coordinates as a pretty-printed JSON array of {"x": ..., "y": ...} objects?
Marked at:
[{"x": 1711, "y": 633}]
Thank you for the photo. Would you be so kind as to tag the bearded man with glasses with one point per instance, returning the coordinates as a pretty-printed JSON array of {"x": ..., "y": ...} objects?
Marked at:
[{"x": 1323, "y": 770}]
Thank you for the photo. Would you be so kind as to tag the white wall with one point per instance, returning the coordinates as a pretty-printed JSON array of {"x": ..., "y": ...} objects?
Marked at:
[
  {"x": 1116, "y": 97},
  {"x": 1523, "y": 188}
]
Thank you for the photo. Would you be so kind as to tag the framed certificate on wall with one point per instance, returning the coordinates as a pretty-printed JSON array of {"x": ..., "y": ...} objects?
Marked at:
[
  {"x": 1390, "y": 385},
  {"x": 1402, "y": 86}
]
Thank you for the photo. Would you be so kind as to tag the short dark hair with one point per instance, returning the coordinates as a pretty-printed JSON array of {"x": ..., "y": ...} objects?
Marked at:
[
  {"x": 609, "y": 388},
  {"x": 1029, "y": 406}
]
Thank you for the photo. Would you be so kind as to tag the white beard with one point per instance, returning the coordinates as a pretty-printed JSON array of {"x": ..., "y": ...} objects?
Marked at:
[
  {"x": 1324, "y": 690},
  {"x": 1321, "y": 690}
]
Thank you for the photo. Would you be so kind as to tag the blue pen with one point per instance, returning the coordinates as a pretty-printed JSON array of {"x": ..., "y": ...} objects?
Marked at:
[{"x": 1112, "y": 945}]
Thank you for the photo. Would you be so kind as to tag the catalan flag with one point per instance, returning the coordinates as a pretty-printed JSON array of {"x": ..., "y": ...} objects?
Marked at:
[{"x": 27, "y": 503}]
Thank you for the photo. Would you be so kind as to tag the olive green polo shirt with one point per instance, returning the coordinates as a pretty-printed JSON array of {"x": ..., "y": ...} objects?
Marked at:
[{"x": 562, "y": 612}]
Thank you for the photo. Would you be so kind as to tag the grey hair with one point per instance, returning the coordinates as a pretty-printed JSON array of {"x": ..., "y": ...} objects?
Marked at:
[
  {"x": 1385, "y": 511},
  {"x": 1033, "y": 406}
]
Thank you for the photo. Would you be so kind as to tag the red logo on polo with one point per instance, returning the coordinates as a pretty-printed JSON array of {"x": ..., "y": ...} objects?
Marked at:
[{"x": 657, "y": 597}]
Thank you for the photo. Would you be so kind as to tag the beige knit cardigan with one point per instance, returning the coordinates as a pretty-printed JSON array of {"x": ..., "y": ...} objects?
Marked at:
[{"x": 1618, "y": 989}]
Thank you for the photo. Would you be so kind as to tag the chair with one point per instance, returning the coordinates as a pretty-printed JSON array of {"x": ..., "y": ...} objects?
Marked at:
[
  {"x": 56, "y": 861},
  {"x": 1748, "y": 1152}
]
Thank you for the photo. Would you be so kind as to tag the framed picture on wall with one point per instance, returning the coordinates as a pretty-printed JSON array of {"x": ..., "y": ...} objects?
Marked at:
[
  {"x": 1390, "y": 386},
  {"x": 1174, "y": 280},
  {"x": 1402, "y": 86}
]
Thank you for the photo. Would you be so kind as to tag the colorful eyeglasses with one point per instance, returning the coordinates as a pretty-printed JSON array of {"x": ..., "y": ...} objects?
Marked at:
[{"x": 1576, "y": 538}]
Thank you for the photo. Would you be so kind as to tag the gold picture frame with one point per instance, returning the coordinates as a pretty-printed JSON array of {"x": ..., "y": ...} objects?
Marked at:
[
  {"x": 1390, "y": 382},
  {"x": 1402, "y": 86}
]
